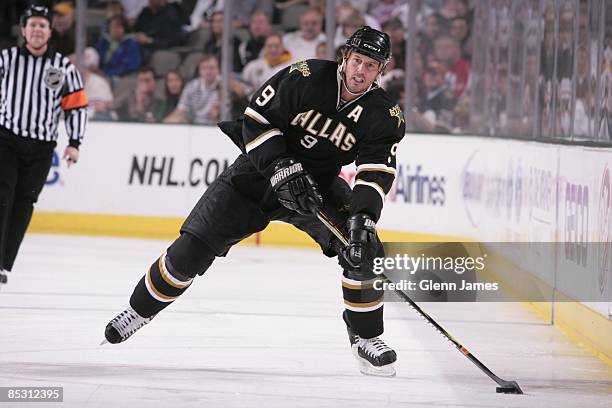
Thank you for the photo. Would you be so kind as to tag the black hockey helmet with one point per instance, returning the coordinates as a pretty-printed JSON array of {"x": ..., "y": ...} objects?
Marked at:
[
  {"x": 371, "y": 42},
  {"x": 36, "y": 11}
]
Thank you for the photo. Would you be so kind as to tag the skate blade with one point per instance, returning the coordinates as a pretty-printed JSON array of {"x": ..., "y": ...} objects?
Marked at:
[{"x": 366, "y": 368}]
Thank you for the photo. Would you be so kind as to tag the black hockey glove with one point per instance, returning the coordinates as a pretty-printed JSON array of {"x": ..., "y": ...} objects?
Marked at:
[
  {"x": 295, "y": 188},
  {"x": 363, "y": 244}
]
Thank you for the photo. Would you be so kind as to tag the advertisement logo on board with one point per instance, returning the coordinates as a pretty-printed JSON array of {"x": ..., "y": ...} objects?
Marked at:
[
  {"x": 414, "y": 185},
  {"x": 492, "y": 189},
  {"x": 168, "y": 171},
  {"x": 54, "y": 171},
  {"x": 576, "y": 232}
]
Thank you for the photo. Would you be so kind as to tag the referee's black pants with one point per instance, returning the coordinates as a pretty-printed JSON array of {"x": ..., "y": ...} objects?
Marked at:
[{"x": 24, "y": 166}]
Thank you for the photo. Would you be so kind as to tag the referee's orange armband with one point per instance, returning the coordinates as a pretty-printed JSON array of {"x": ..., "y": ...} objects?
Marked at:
[{"x": 74, "y": 100}]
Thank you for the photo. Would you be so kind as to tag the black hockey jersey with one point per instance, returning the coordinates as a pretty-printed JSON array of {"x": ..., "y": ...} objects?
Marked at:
[{"x": 296, "y": 114}]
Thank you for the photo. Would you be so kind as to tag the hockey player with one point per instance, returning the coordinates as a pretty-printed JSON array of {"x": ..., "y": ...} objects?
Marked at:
[{"x": 299, "y": 129}]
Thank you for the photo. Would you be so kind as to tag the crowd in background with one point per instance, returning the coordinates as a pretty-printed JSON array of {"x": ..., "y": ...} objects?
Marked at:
[
  {"x": 159, "y": 60},
  {"x": 147, "y": 61}
]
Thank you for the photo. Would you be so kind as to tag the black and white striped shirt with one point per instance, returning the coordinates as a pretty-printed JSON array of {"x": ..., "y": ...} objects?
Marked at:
[{"x": 35, "y": 90}]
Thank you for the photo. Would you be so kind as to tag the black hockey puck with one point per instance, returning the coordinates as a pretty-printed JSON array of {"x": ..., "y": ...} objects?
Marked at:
[{"x": 508, "y": 390}]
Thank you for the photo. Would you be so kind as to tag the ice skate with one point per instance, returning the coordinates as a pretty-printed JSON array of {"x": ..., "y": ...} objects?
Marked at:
[
  {"x": 123, "y": 326},
  {"x": 374, "y": 356}
]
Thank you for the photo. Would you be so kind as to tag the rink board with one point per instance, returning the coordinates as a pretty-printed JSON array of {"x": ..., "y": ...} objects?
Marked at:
[{"x": 141, "y": 181}]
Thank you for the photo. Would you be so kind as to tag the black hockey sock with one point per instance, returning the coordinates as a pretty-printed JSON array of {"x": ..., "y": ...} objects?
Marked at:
[
  {"x": 364, "y": 306},
  {"x": 157, "y": 289}
]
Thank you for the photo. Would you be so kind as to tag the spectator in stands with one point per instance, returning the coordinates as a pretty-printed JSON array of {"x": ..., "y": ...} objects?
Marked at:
[
  {"x": 499, "y": 101},
  {"x": 213, "y": 46},
  {"x": 173, "y": 87},
  {"x": 132, "y": 8},
  {"x": 281, "y": 5},
  {"x": 63, "y": 37},
  {"x": 113, "y": 8},
  {"x": 565, "y": 45},
  {"x": 448, "y": 51},
  {"x": 430, "y": 32},
  {"x": 604, "y": 130},
  {"x": 424, "y": 10},
  {"x": 274, "y": 58},
  {"x": 529, "y": 94},
  {"x": 419, "y": 71},
  {"x": 119, "y": 53},
  {"x": 363, "y": 6},
  {"x": 461, "y": 116},
  {"x": 321, "y": 50},
  {"x": 564, "y": 108},
  {"x": 199, "y": 102},
  {"x": 349, "y": 25},
  {"x": 97, "y": 88},
  {"x": 198, "y": 11},
  {"x": 158, "y": 27},
  {"x": 345, "y": 8},
  {"x": 460, "y": 30},
  {"x": 417, "y": 121},
  {"x": 259, "y": 29},
  {"x": 141, "y": 105},
  {"x": 451, "y": 9},
  {"x": 303, "y": 43},
  {"x": 383, "y": 11},
  {"x": 584, "y": 95},
  {"x": 392, "y": 72},
  {"x": 547, "y": 58},
  {"x": 439, "y": 101},
  {"x": 242, "y": 10},
  {"x": 395, "y": 89},
  {"x": 396, "y": 32}
]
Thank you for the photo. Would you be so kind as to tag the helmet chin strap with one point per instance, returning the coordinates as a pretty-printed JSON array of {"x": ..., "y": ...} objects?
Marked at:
[{"x": 349, "y": 91}]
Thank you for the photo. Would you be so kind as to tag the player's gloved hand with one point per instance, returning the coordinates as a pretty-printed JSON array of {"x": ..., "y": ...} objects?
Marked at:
[
  {"x": 363, "y": 244},
  {"x": 295, "y": 188}
]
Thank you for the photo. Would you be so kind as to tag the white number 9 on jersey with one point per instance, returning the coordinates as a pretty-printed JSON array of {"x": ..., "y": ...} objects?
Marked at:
[
  {"x": 308, "y": 141},
  {"x": 267, "y": 94}
]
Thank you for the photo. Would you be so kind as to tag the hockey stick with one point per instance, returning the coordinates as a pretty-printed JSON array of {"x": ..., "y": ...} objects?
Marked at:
[{"x": 505, "y": 387}]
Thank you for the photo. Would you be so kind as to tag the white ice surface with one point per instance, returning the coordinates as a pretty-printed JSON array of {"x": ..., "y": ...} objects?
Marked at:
[{"x": 262, "y": 329}]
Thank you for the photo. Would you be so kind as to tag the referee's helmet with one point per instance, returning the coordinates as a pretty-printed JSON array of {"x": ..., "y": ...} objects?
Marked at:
[{"x": 36, "y": 11}]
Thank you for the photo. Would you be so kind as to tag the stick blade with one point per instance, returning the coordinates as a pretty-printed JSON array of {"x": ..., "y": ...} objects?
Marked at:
[{"x": 509, "y": 387}]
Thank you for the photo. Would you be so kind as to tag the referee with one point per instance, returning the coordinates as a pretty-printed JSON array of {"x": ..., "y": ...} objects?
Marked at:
[{"x": 36, "y": 85}]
